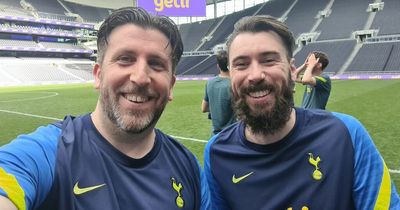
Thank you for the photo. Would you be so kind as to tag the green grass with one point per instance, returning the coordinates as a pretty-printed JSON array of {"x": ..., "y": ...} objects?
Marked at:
[{"x": 376, "y": 103}]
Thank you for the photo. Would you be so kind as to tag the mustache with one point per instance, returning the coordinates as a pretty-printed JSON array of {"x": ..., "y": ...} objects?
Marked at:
[
  {"x": 261, "y": 86},
  {"x": 139, "y": 90}
]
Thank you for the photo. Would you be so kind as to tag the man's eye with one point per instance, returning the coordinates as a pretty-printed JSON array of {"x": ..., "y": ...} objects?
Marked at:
[
  {"x": 157, "y": 65},
  {"x": 125, "y": 59},
  {"x": 240, "y": 65},
  {"x": 269, "y": 61}
]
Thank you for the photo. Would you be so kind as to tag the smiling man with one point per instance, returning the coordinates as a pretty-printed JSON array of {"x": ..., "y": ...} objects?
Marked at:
[
  {"x": 112, "y": 158},
  {"x": 286, "y": 158}
]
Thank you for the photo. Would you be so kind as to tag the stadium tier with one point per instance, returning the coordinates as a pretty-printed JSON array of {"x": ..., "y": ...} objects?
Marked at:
[{"x": 360, "y": 37}]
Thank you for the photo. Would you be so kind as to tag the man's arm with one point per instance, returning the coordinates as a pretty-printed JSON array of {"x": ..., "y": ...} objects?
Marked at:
[
  {"x": 204, "y": 106},
  {"x": 6, "y": 204},
  {"x": 300, "y": 70},
  {"x": 372, "y": 187},
  {"x": 27, "y": 167},
  {"x": 308, "y": 78}
]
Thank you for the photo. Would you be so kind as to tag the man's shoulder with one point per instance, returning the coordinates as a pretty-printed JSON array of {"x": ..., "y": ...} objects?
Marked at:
[
  {"x": 319, "y": 116},
  {"x": 213, "y": 80},
  {"x": 43, "y": 135},
  {"x": 229, "y": 135},
  {"x": 323, "y": 78},
  {"x": 48, "y": 135}
]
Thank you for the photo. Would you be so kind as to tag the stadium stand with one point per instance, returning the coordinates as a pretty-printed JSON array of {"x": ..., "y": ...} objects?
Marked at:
[
  {"x": 192, "y": 33},
  {"x": 371, "y": 57},
  {"x": 207, "y": 67},
  {"x": 387, "y": 20},
  {"x": 303, "y": 16},
  {"x": 360, "y": 37},
  {"x": 83, "y": 71},
  {"x": 225, "y": 27},
  {"x": 338, "y": 52},
  {"x": 47, "y": 6},
  {"x": 393, "y": 63},
  {"x": 89, "y": 14},
  {"x": 345, "y": 17},
  {"x": 38, "y": 72},
  {"x": 37, "y": 50},
  {"x": 10, "y": 3},
  {"x": 188, "y": 63},
  {"x": 275, "y": 8},
  {"x": 13, "y": 8}
]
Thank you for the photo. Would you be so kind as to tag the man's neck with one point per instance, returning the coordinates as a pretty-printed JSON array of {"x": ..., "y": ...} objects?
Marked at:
[
  {"x": 223, "y": 74},
  {"x": 133, "y": 145},
  {"x": 271, "y": 138},
  {"x": 317, "y": 72}
]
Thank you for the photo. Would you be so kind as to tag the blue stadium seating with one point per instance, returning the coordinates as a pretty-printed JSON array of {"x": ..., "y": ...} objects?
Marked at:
[
  {"x": 387, "y": 20},
  {"x": 301, "y": 16}
]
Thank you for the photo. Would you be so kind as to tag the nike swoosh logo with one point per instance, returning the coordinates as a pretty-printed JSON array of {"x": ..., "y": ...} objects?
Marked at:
[
  {"x": 78, "y": 191},
  {"x": 237, "y": 180}
]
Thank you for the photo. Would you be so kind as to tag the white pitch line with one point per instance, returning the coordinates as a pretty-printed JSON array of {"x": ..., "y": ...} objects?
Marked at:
[
  {"x": 30, "y": 115},
  {"x": 393, "y": 171},
  {"x": 32, "y": 99},
  {"x": 190, "y": 139}
]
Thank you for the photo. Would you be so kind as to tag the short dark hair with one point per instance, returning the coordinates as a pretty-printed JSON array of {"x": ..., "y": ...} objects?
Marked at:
[
  {"x": 323, "y": 58},
  {"x": 139, "y": 17},
  {"x": 222, "y": 60},
  {"x": 263, "y": 23}
]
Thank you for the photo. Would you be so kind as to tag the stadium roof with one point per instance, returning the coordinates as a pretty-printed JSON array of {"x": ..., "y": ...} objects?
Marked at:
[{"x": 115, "y": 4}]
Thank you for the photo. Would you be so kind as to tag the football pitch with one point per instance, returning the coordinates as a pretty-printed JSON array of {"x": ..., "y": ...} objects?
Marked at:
[{"x": 376, "y": 103}]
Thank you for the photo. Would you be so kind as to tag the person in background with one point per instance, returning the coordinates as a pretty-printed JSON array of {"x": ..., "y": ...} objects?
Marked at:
[
  {"x": 217, "y": 99},
  {"x": 318, "y": 85},
  {"x": 281, "y": 157},
  {"x": 112, "y": 158}
]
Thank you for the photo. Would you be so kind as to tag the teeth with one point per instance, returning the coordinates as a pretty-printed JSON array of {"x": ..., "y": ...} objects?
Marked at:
[
  {"x": 259, "y": 94},
  {"x": 136, "y": 98}
]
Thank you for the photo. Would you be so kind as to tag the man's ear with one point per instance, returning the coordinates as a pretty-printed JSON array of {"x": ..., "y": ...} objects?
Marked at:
[
  {"x": 97, "y": 75},
  {"x": 171, "y": 94}
]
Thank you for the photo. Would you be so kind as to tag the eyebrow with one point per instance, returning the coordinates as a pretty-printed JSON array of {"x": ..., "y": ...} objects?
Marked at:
[
  {"x": 263, "y": 54},
  {"x": 153, "y": 55},
  {"x": 242, "y": 57},
  {"x": 268, "y": 53}
]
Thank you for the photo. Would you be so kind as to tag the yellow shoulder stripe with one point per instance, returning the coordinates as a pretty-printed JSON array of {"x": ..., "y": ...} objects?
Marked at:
[
  {"x": 320, "y": 78},
  {"x": 14, "y": 192},
  {"x": 383, "y": 200}
]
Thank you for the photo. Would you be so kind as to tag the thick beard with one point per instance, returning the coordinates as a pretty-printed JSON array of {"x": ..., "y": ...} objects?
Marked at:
[
  {"x": 133, "y": 121},
  {"x": 266, "y": 122}
]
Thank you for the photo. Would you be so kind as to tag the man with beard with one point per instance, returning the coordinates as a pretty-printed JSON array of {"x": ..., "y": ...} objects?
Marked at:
[
  {"x": 281, "y": 157},
  {"x": 112, "y": 158}
]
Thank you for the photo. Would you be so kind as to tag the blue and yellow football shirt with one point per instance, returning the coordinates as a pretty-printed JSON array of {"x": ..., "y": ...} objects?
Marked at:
[
  {"x": 327, "y": 162},
  {"x": 70, "y": 166}
]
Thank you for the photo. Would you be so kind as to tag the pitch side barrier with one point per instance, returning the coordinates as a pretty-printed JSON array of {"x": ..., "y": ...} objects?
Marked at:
[{"x": 334, "y": 77}]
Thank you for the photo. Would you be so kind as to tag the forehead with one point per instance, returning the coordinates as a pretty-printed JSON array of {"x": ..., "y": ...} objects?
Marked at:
[
  {"x": 133, "y": 37},
  {"x": 252, "y": 44}
]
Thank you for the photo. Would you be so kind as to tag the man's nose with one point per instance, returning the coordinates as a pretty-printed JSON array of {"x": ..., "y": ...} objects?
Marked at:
[
  {"x": 256, "y": 73},
  {"x": 140, "y": 73}
]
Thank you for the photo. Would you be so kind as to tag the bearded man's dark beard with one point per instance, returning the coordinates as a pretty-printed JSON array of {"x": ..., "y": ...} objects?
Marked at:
[{"x": 266, "y": 122}]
